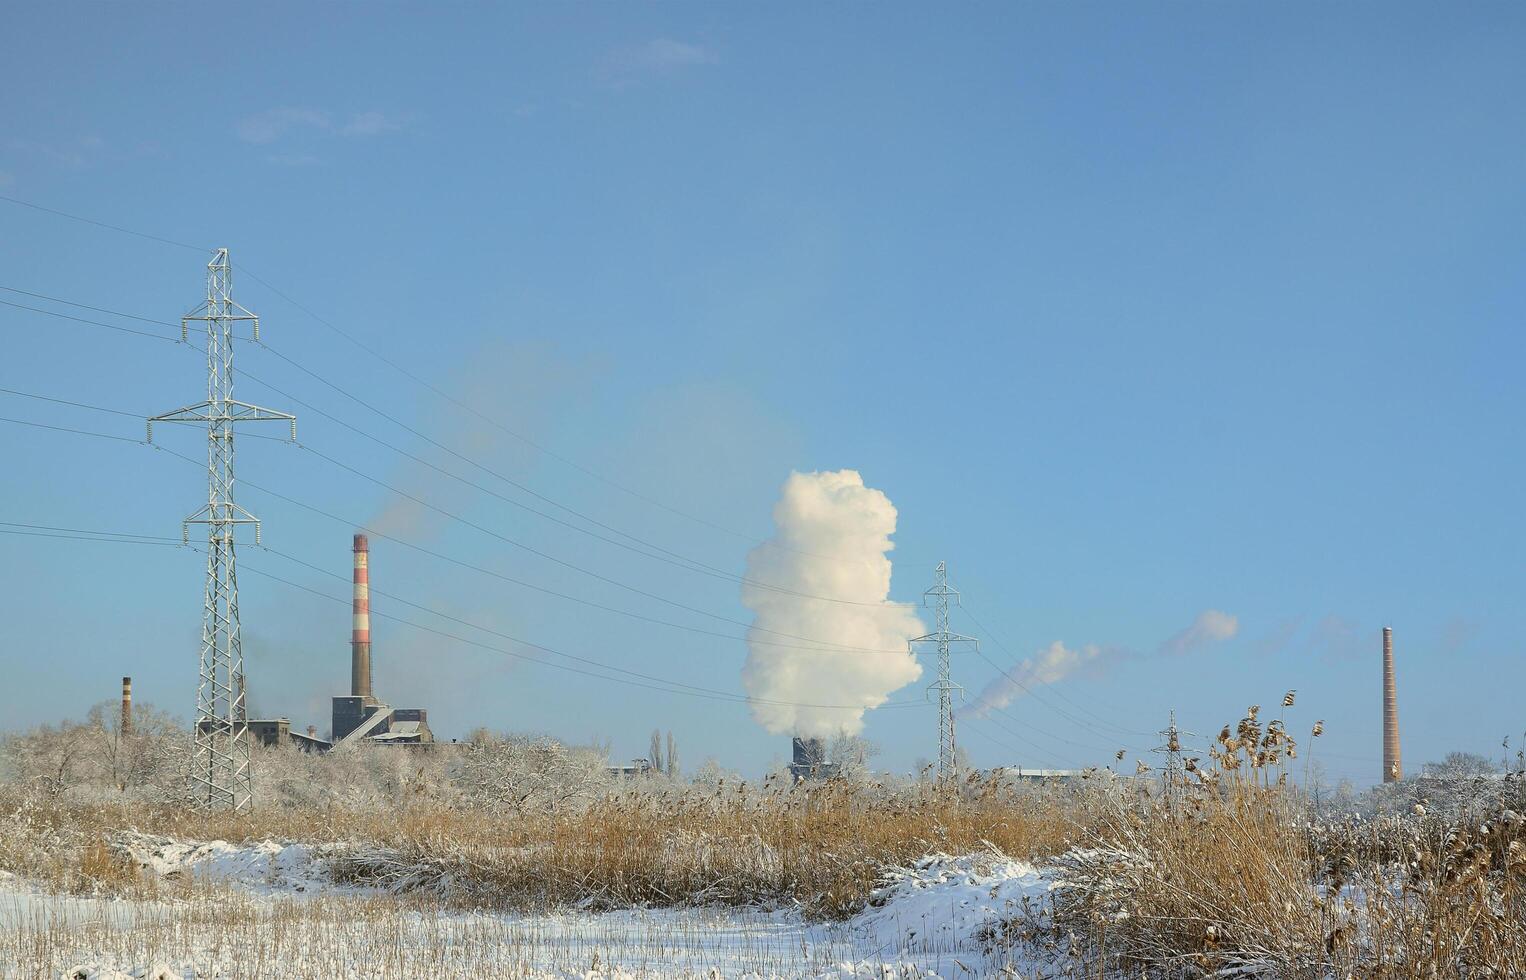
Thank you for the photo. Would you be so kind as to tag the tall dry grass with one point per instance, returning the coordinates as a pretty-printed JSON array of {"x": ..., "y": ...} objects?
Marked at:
[
  {"x": 821, "y": 847},
  {"x": 1237, "y": 875}
]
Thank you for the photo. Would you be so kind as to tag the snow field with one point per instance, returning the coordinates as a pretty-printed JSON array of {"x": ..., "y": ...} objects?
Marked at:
[{"x": 271, "y": 912}]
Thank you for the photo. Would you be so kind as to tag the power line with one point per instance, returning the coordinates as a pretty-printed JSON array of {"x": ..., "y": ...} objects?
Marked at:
[
  {"x": 586, "y": 471},
  {"x": 85, "y": 537},
  {"x": 1097, "y": 719},
  {"x": 80, "y": 319},
  {"x": 1046, "y": 733},
  {"x": 438, "y": 391},
  {"x": 699, "y": 691},
  {"x": 818, "y": 646},
  {"x": 673, "y": 687},
  {"x": 662, "y": 554},
  {"x": 1042, "y": 755},
  {"x": 78, "y": 432},
  {"x": 102, "y": 224},
  {"x": 65, "y": 401},
  {"x": 93, "y": 309},
  {"x": 102, "y": 534}
]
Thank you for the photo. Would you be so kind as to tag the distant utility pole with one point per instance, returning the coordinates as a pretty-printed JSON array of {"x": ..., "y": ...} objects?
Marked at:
[
  {"x": 1174, "y": 775},
  {"x": 220, "y": 754},
  {"x": 939, "y": 596}
]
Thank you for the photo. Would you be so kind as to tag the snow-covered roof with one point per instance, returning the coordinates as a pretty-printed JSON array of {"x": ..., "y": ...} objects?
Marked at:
[{"x": 400, "y": 730}]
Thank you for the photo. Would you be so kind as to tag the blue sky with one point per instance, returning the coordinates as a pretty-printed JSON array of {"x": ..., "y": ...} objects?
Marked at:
[{"x": 1133, "y": 314}]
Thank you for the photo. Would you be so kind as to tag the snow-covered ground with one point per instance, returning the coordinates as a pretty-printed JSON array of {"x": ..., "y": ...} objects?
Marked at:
[{"x": 945, "y": 916}]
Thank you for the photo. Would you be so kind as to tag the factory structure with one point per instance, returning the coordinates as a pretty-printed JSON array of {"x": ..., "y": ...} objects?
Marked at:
[
  {"x": 359, "y": 715},
  {"x": 808, "y": 760}
]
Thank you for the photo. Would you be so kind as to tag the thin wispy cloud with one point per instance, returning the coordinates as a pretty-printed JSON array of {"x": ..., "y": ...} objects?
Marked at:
[
  {"x": 74, "y": 155},
  {"x": 664, "y": 54},
  {"x": 1335, "y": 638},
  {"x": 1057, "y": 661},
  {"x": 1211, "y": 626},
  {"x": 658, "y": 57},
  {"x": 273, "y": 125},
  {"x": 1277, "y": 640},
  {"x": 1048, "y": 666},
  {"x": 371, "y": 124},
  {"x": 293, "y": 159}
]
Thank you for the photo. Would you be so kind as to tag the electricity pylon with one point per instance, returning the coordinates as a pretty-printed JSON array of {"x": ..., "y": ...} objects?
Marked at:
[
  {"x": 938, "y": 596},
  {"x": 1174, "y": 775},
  {"x": 220, "y": 774}
]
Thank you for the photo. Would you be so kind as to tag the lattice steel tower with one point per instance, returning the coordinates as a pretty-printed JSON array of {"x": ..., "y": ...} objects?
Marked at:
[
  {"x": 938, "y": 596},
  {"x": 220, "y": 757},
  {"x": 1174, "y": 775}
]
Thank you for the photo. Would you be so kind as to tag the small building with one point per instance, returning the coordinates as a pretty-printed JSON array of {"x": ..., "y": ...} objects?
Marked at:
[
  {"x": 809, "y": 760},
  {"x": 1025, "y": 775},
  {"x": 273, "y": 732},
  {"x": 358, "y": 718}
]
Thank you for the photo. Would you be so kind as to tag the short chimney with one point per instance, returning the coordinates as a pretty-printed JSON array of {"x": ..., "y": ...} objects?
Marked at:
[{"x": 127, "y": 706}]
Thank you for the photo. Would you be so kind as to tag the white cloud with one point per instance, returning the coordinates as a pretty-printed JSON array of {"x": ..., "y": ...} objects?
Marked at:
[
  {"x": 660, "y": 56},
  {"x": 371, "y": 124},
  {"x": 819, "y": 691},
  {"x": 1045, "y": 667},
  {"x": 272, "y": 124},
  {"x": 292, "y": 159},
  {"x": 1057, "y": 661},
  {"x": 1211, "y": 626},
  {"x": 664, "y": 53}
]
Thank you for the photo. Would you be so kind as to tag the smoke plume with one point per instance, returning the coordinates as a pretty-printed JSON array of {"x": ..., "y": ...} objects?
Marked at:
[
  {"x": 1045, "y": 667},
  {"x": 1211, "y": 626},
  {"x": 832, "y": 538},
  {"x": 1052, "y": 665}
]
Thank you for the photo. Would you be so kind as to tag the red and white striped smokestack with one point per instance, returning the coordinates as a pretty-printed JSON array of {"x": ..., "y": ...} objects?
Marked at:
[
  {"x": 1393, "y": 768},
  {"x": 360, "y": 638}
]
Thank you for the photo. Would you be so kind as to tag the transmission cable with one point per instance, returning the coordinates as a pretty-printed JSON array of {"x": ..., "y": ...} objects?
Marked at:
[
  {"x": 434, "y": 389},
  {"x": 673, "y": 687},
  {"x": 663, "y": 554},
  {"x": 817, "y": 645},
  {"x": 1097, "y": 719}
]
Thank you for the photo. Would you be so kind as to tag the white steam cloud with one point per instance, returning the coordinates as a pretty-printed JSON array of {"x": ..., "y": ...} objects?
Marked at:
[
  {"x": 1211, "y": 626},
  {"x": 1045, "y": 667},
  {"x": 832, "y": 539},
  {"x": 1052, "y": 665}
]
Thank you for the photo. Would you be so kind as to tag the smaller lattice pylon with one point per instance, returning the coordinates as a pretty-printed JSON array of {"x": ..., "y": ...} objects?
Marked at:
[
  {"x": 1174, "y": 772},
  {"x": 941, "y": 596}
]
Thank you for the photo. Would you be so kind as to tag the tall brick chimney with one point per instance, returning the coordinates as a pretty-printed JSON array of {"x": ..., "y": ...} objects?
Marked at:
[
  {"x": 360, "y": 638},
  {"x": 1393, "y": 768}
]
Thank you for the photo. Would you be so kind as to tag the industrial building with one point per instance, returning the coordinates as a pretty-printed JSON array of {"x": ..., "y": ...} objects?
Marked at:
[
  {"x": 809, "y": 760},
  {"x": 359, "y": 715}
]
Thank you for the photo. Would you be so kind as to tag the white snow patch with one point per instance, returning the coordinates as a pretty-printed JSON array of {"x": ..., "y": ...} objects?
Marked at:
[
  {"x": 264, "y": 866},
  {"x": 946, "y": 916},
  {"x": 945, "y": 905}
]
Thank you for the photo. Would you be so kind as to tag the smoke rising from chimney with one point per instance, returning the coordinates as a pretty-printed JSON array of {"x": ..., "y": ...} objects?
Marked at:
[
  {"x": 1048, "y": 666},
  {"x": 1058, "y": 661},
  {"x": 826, "y": 514}
]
